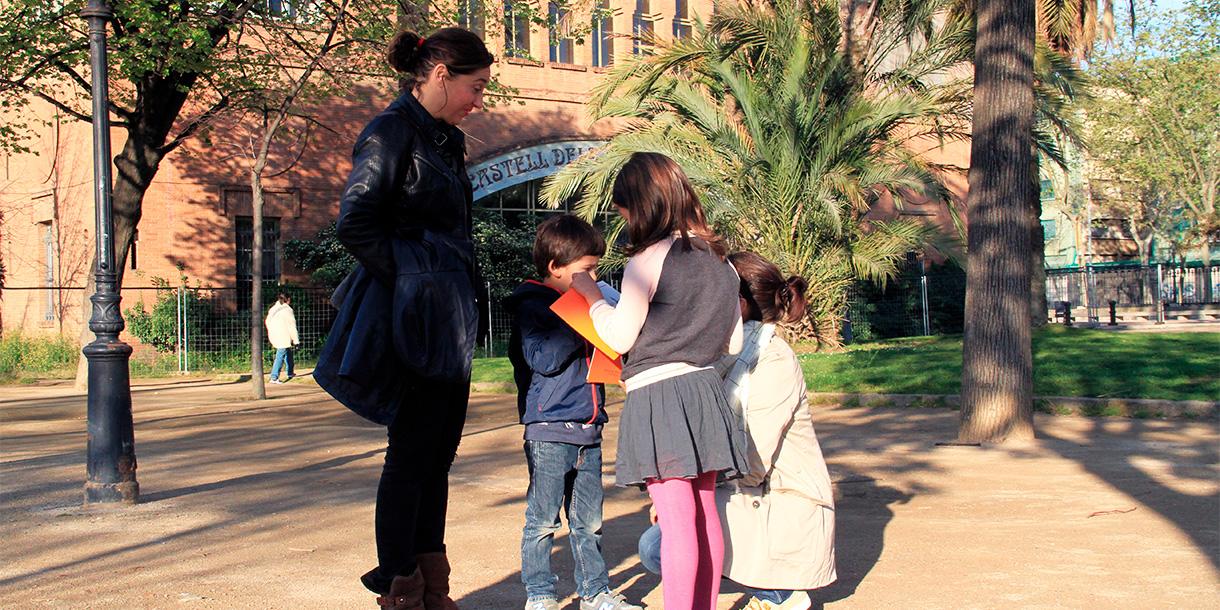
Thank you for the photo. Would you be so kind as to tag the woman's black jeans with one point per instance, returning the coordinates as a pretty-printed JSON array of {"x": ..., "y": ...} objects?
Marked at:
[{"x": 414, "y": 491}]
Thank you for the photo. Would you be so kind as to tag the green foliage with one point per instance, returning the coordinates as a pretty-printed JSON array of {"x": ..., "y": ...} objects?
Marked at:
[
  {"x": 323, "y": 257},
  {"x": 20, "y": 354},
  {"x": 789, "y": 141},
  {"x": 217, "y": 333},
  {"x": 161, "y": 56},
  {"x": 504, "y": 249},
  {"x": 159, "y": 327}
]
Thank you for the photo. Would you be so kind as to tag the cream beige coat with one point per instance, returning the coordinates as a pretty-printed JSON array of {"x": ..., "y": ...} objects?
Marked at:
[
  {"x": 282, "y": 326},
  {"x": 779, "y": 521}
]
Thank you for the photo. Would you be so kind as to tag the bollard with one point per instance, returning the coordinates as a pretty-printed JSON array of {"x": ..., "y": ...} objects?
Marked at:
[{"x": 1113, "y": 313}]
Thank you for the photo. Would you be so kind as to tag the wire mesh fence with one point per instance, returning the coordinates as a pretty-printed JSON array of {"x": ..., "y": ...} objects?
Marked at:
[
  {"x": 184, "y": 328},
  {"x": 187, "y": 328}
]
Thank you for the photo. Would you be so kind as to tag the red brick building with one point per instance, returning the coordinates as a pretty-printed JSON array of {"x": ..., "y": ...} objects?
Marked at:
[{"x": 196, "y": 215}]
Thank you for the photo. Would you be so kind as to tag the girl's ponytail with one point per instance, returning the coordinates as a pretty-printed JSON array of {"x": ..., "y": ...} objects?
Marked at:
[
  {"x": 793, "y": 294},
  {"x": 768, "y": 296}
]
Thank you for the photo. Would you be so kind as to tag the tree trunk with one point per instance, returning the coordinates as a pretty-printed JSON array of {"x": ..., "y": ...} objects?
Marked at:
[
  {"x": 135, "y": 168},
  {"x": 1145, "y": 251},
  {"x": 257, "y": 389},
  {"x": 997, "y": 364}
]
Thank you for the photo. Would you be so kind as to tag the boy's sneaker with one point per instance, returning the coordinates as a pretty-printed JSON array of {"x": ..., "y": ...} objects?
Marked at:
[
  {"x": 277, "y": 382},
  {"x": 607, "y": 600},
  {"x": 542, "y": 604},
  {"x": 799, "y": 600}
]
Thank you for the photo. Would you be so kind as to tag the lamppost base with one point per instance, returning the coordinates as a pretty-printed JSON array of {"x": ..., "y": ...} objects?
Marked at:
[
  {"x": 110, "y": 452},
  {"x": 127, "y": 492}
]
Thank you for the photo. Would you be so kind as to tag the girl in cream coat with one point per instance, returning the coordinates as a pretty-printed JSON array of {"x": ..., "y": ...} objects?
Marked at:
[{"x": 779, "y": 519}]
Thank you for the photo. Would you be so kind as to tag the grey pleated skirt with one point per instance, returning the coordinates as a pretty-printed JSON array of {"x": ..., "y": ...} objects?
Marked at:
[{"x": 679, "y": 428}]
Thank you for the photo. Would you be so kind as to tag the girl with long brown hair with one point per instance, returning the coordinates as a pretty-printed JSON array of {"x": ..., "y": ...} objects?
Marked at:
[{"x": 677, "y": 315}]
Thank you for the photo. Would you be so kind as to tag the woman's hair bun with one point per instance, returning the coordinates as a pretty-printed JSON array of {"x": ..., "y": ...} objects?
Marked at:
[{"x": 403, "y": 51}]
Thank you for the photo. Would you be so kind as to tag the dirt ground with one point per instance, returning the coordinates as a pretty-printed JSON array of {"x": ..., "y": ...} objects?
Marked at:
[{"x": 270, "y": 505}]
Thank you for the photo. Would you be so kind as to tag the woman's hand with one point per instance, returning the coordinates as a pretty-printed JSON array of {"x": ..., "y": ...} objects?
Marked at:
[
  {"x": 652, "y": 514},
  {"x": 583, "y": 284}
]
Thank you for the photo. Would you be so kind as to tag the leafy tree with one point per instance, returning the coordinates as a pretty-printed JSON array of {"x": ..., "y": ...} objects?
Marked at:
[
  {"x": 788, "y": 141},
  {"x": 174, "y": 67},
  {"x": 304, "y": 65},
  {"x": 1153, "y": 132}
]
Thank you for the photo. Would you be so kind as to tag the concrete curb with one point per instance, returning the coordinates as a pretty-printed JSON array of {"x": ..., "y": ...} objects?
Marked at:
[{"x": 1055, "y": 405}]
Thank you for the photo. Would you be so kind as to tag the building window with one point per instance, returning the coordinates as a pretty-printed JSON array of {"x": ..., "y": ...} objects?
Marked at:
[
  {"x": 245, "y": 256},
  {"x": 561, "y": 43},
  {"x": 522, "y": 201},
  {"x": 284, "y": 9},
  {"x": 681, "y": 19},
  {"x": 1047, "y": 190},
  {"x": 48, "y": 271},
  {"x": 1048, "y": 229},
  {"x": 516, "y": 30},
  {"x": 641, "y": 27},
  {"x": 132, "y": 251},
  {"x": 603, "y": 35},
  {"x": 470, "y": 15}
]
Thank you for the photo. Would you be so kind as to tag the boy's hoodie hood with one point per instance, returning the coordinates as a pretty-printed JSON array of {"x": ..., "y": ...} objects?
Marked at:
[{"x": 530, "y": 290}]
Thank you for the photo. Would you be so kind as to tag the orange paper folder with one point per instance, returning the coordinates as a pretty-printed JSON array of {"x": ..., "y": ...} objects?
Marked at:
[
  {"x": 574, "y": 309},
  {"x": 604, "y": 370},
  {"x": 606, "y": 365}
]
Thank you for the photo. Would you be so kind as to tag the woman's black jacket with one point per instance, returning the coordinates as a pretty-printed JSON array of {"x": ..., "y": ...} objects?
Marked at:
[{"x": 407, "y": 313}]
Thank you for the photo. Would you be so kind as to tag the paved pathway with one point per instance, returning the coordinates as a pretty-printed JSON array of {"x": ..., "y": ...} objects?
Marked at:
[{"x": 269, "y": 505}]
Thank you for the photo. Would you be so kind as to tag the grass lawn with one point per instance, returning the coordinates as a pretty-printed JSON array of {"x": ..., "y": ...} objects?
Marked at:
[
  {"x": 1067, "y": 362},
  {"x": 491, "y": 370}
]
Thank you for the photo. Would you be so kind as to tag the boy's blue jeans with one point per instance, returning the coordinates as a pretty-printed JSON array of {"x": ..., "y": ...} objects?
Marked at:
[
  {"x": 568, "y": 477},
  {"x": 650, "y": 556},
  {"x": 281, "y": 355}
]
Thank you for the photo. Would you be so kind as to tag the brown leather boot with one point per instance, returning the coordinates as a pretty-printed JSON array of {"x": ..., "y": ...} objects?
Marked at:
[
  {"x": 435, "y": 568},
  {"x": 406, "y": 593}
]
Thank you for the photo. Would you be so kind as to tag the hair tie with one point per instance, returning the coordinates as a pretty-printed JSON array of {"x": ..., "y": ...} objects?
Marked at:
[{"x": 420, "y": 44}]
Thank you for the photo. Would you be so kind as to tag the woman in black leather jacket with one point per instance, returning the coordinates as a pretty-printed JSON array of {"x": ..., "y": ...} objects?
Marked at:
[{"x": 400, "y": 350}]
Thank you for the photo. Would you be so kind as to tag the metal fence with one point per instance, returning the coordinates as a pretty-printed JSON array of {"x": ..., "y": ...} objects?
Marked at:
[
  {"x": 1134, "y": 286},
  {"x": 918, "y": 302},
  {"x": 184, "y": 328},
  {"x": 187, "y": 328}
]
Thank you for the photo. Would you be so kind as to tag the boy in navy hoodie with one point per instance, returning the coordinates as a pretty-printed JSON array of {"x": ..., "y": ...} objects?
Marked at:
[{"x": 563, "y": 416}]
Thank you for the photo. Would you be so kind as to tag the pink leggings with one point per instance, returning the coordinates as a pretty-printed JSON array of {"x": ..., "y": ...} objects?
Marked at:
[{"x": 692, "y": 549}]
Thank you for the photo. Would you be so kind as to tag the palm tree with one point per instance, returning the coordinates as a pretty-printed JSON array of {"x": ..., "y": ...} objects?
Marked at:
[
  {"x": 1070, "y": 27},
  {"x": 1073, "y": 27},
  {"x": 787, "y": 141}
]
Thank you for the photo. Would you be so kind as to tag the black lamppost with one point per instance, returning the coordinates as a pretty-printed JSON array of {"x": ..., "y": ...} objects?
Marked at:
[{"x": 111, "y": 457}]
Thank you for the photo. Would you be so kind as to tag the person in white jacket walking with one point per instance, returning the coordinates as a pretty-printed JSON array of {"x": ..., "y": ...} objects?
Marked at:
[{"x": 282, "y": 333}]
